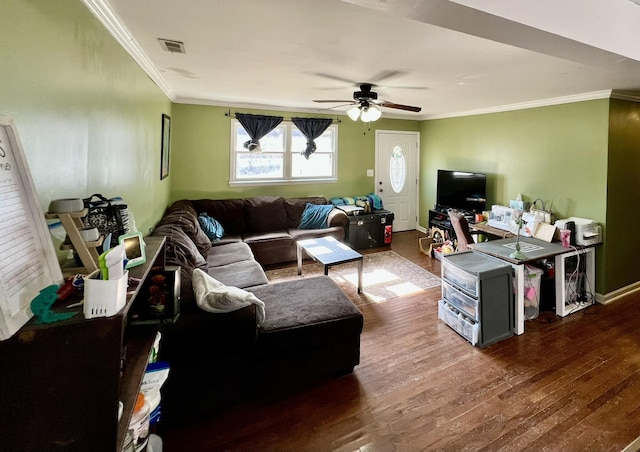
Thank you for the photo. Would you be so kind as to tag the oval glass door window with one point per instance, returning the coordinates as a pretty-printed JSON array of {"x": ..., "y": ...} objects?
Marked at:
[{"x": 397, "y": 168}]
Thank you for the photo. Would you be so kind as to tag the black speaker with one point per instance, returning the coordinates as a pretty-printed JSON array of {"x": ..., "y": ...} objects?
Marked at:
[{"x": 570, "y": 225}]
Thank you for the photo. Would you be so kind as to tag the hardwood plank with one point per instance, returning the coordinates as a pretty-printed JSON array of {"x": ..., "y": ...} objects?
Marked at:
[{"x": 567, "y": 384}]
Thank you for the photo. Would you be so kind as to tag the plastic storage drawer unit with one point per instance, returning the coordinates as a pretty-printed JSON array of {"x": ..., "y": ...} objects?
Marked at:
[
  {"x": 460, "y": 301},
  {"x": 463, "y": 325},
  {"x": 477, "y": 297}
]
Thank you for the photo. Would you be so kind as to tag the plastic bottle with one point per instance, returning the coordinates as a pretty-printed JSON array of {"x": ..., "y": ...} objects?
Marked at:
[{"x": 140, "y": 423}]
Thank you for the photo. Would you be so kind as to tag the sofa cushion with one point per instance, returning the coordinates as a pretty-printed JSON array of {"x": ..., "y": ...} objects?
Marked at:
[
  {"x": 183, "y": 214},
  {"x": 315, "y": 216},
  {"x": 180, "y": 249},
  {"x": 229, "y": 254},
  {"x": 227, "y": 239},
  {"x": 265, "y": 213},
  {"x": 277, "y": 238},
  {"x": 229, "y": 212},
  {"x": 336, "y": 232},
  {"x": 240, "y": 274}
]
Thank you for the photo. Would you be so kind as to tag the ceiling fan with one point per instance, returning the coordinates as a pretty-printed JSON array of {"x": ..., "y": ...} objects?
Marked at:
[{"x": 365, "y": 104}]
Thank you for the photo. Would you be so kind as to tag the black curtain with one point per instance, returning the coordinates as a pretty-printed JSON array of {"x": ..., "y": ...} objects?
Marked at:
[
  {"x": 312, "y": 128},
  {"x": 257, "y": 126}
]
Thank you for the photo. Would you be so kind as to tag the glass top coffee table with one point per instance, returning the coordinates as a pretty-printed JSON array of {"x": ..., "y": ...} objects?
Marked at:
[{"x": 329, "y": 252}]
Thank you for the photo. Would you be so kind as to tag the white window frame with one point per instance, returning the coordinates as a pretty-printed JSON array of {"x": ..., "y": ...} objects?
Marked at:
[{"x": 288, "y": 152}]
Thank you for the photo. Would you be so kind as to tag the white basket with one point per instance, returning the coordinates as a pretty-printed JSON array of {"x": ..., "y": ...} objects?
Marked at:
[{"x": 104, "y": 297}]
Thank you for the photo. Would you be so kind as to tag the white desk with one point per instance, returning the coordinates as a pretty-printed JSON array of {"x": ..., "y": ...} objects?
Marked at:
[{"x": 536, "y": 249}]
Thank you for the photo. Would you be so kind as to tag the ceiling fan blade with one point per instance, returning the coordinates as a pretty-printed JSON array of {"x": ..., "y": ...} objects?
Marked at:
[
  {"x": 335, "y": 77},
  {"x": 338, "y": 106},
  {"x": 385, "y": 75},
  {"x": 334, "y": 101},
  {"x": 399, "y": 106},
  {"x": 404, "y": 87}
]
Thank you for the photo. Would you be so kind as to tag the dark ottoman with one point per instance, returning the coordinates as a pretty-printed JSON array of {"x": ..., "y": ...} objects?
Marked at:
[{"x": 311, "y": 328}]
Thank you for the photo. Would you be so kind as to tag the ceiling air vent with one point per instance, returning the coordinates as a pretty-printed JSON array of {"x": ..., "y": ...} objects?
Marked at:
[{"x": 172, "y": 46}]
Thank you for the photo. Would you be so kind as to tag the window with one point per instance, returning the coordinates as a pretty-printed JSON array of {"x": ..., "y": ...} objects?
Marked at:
[{"x": 280, "y": 160}]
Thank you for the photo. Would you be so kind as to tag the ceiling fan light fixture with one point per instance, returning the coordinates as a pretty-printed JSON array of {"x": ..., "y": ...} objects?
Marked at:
[
  {"x": 370, "y": 114},
  {"x": 354, "y": 112},
  {"x": 374, "y": 113}
]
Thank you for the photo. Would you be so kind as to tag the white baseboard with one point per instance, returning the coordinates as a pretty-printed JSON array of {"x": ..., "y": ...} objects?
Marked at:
[
  {"x": 619, "y": 293},
  {"x": 634, "y": 446}
]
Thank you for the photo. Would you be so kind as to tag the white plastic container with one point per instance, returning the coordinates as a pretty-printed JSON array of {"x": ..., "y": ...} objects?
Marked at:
[
  {"x": 532, "y": 279},
  {"x": 104, "y": 297}
]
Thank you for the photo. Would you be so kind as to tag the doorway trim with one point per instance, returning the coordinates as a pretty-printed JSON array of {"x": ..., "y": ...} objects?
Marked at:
[{"x": 376, "y": 177}]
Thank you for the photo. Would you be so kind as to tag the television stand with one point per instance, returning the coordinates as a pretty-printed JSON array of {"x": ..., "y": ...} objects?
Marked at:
[{"x": 439, "y": 218}]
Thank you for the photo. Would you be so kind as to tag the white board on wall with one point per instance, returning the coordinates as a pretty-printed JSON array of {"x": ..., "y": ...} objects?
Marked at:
[{"x": 28, "y": 260}]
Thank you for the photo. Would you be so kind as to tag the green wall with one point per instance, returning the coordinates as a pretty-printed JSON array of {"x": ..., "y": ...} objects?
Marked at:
[
  {"x": 202, "y": 140},
  {"x": 88, "y": 116},
  {"x": 557, "y": 153},
  {"x": 623, "y": 214}
]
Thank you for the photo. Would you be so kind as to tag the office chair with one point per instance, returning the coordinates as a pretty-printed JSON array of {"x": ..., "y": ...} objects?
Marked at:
[{"x": 461, "y": 228}]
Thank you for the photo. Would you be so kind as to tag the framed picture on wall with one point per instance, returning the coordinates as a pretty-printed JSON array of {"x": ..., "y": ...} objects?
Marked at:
[{"x": 166, "y": 146}]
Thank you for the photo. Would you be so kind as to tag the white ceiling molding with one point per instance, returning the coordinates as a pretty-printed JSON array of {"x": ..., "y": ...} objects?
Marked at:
[
  {"x": 622, "y": 95},
  {"x": 526, "y": 105},
  {"x": 103, "y": 12},
  {"x": 633, "y": 96}
]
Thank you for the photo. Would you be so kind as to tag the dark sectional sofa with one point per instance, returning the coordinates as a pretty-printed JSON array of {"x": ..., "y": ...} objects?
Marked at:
[
  {"x": 269, "y": 224},
  {"x": 311, "y": 329}
]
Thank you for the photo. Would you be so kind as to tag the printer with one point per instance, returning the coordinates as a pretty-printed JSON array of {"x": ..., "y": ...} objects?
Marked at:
[{"x": 587, "y": 232}]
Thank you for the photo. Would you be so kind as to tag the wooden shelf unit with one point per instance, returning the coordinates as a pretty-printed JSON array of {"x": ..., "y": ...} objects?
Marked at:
[
  {"x": 60, "y": 383},
  {"x": 72, "y": 223}
]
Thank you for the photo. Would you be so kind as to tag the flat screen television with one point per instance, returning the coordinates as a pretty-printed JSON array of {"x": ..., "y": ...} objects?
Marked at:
[{"x": 461, "y": 190}]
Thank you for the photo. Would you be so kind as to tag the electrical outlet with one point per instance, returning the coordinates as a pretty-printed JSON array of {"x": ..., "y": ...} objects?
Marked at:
[{"x": 369, "y": 173}]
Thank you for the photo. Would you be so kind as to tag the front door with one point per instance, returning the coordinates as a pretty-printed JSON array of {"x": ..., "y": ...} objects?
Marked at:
[{"x": 397, "y": 176}]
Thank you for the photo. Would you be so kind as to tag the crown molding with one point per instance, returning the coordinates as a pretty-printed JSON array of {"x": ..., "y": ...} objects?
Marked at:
[
  {"x": 526, "y": 105},
  {"x": 253, "y": 106},
  {"x": 596, "y": 95},
  {"x": 103, "y": 12},
  {"x": 633, "y": 96}
]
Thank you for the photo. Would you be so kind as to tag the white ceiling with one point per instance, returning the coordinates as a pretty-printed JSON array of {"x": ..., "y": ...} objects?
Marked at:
[{"x": 448, "y": 57}]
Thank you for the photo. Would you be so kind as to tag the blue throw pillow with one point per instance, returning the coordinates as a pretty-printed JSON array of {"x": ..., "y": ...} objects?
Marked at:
[
  {"x": 315, "y": 216},
  {"x": 211, "y": 227}
]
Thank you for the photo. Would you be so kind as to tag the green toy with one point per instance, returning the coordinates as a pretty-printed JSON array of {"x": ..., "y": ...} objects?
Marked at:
[{"x": 41, "y": 306}]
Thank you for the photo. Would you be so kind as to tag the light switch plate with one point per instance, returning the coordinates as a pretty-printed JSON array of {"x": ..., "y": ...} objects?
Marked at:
[{"x": 369, "y": 173}]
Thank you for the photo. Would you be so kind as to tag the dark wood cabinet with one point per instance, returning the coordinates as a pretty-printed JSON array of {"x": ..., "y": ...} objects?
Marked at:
[{"x": 60, "y": 383}]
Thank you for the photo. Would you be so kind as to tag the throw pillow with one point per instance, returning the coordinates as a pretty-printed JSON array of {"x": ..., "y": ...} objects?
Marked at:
[
  {"x": 315, "y": 216},
  {"x": 211, "y": 227}
]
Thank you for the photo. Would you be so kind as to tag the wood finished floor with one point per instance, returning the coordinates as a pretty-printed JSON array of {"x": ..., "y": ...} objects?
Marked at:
[{"x": 567, "y": 384}]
